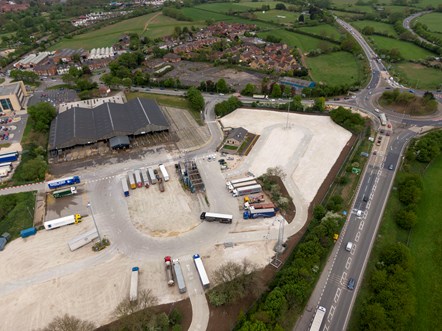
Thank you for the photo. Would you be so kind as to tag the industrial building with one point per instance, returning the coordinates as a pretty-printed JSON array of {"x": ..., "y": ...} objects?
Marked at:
[
  {"x": 296, "y": 82},
  {"x": 12, "y": 97},
  {"x": 79, "y": 126},
  {"x": 101, "y": 53},
  {"x": 32, "y": 60}
]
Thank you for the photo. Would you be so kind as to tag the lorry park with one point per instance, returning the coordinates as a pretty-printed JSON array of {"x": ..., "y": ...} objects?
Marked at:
[{"x": 141, "y": 219}]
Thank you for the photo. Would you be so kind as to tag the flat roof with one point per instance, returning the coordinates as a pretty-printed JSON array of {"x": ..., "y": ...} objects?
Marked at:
[{"x": 9, "y": 89}]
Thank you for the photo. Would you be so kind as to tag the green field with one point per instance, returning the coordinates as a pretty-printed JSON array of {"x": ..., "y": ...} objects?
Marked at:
[
  {"x": 419, "y": 76},
  {"x": 346, "y": 16},
  {"x": 225, "y": 7},
  {"x": 335, "y": 68},
  {"x": 425, "y": 246},
  {"x": 323, "y": 30},
  {"x": 16, "y": 212},
  {"x": 378, "y": 27},
  {"x": 107, "y": 36},
  {"x": 432, "y": 21},
  {"x": 272, "y": 16},
  {"x": 408, "y": 50},
  {"x": 293, "y": 39}
]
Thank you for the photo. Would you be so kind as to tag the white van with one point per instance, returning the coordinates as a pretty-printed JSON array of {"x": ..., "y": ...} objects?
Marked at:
[
  {"x": 349, "y": 246},
  {"x": 359, "y": 213}
]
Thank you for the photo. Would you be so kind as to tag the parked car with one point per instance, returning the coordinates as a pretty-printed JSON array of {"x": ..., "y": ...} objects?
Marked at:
[{"x": 391, "y": 167}]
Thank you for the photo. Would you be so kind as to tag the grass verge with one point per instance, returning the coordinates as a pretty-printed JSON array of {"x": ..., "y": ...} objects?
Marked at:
[{"x": 16, "y": 212}]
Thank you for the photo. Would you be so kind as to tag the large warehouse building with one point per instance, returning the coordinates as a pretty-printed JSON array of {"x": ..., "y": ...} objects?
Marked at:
[{"x": 82, "y": 126}]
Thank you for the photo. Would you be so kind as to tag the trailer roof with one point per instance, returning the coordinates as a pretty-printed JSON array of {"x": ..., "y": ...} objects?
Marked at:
[
  {"x": 218, "y": 215},
  {"x": 201, "y": 270}
]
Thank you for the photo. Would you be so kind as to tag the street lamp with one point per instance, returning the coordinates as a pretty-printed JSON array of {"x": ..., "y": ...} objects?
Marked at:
[{"x": 93, "y": 218}]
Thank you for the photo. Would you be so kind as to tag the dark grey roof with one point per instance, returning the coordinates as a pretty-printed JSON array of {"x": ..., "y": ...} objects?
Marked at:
[
  {"x": 239, "y": 134},
  {"x": 79, "y": 126}
]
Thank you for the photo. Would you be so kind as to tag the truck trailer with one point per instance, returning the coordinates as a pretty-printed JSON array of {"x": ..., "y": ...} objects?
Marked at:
[
  {"x": 319, "y": 317},
  {"x": 132, "y": 183},
  {"x": 179, "y": 276},
  {"x": 247, "y": 190},
  {"x": 125, "y": 187},
  {"x": 240, "y": 180},
  {"x": 4, "y": 171},
  {"x": 268, "y": 205},
  {"x": 259, "y": 213},
  {"x": 169, "y": 272},
  {"x": 164, "y": 172},
  {"x": 133, "y": 293},
  {"x": 153, "y": 177},
  {"x": 56, "y": 183},
  {"x": 138, "y": 179},
  {"x": 211, "y": 217},
  {"x": 201, "y": 270},
  {"x": 62, "y": 221},
  {"x": 242, "y": 184},
  {"x": 8, "y": 157},
  {"x": 64, "y": 192},
  {"x": 145, "y": 177},
  {"x": 254, "y": 198},
  {"x": 383, "y": 119},
  {"x": 82, "y": 239},
  {"x": 7, "y": 165}
]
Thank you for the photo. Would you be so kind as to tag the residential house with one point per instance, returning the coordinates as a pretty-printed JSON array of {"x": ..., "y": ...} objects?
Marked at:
[{"x": 236, "y": 137}]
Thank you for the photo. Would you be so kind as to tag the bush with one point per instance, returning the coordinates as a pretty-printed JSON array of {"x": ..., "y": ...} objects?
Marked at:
[
  {"x": 226, "y": 107},
  {"x": 348, "y": 120}
]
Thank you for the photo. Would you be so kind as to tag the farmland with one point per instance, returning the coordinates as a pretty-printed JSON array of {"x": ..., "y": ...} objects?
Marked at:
[
  {"x": 277, "y": 16},
  {"x": 225, "y": 7},
  {"x": 378, "y": 27},
  {"x": 293, "y": 39},
  {"x": 158, "y": 26},
  {"x": 419, "y": 76},
  {"x": 432, "y": 21},
  {"x": 325, "y": 30},
  {"x": 409, "y": 51},
  {"x": 335, "y": 68}
]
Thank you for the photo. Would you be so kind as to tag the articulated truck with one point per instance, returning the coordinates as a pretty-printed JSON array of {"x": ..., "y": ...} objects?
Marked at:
[
  {"x": 247, "y": 190},
  {"x": 259, "y": 213},
  {"x": 169, "y": 272},
  {"x": 133, "y": 294},
  {"x": 237, "y": 181},
  {"x": 179, "y": 276},
  {"x": 65, "y": 192},
  {"x": 319, "y": 317},
  {"x": 56, "y": 183},
  {"x": 164, "y": 172},
  {"x": 138, "y": 180},
  {"x": 211, "y": 217},
  {"x": 62, "y": 221},
  {"x": 268, "y": 205}
]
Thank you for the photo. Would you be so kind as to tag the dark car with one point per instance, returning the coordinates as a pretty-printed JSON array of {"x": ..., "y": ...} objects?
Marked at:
[
  {"x": 365, "y": 198},
  {"x": 351, "y": 284}
]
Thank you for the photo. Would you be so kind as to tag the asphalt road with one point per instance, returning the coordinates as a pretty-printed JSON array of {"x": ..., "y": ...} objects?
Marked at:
[{"x": 406, "y": 24}]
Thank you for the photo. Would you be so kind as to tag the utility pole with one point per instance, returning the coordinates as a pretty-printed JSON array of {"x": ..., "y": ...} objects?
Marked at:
[
  {"x": 93, "y": 218},
  {"x": 288, "y": 111}
]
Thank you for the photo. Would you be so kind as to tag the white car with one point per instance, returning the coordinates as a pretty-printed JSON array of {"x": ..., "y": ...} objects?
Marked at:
[{"x": 376, "y": 110}]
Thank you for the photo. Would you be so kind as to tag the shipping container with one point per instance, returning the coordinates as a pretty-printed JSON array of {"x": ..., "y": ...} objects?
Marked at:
[{"x": 28, "y": 232}]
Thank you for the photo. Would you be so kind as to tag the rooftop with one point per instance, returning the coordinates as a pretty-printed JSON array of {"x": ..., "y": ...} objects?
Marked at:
[{"x": 9, "y": 89}]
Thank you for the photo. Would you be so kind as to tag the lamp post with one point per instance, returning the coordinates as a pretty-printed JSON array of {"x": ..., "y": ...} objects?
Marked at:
[{"x": 93, "y": 218}]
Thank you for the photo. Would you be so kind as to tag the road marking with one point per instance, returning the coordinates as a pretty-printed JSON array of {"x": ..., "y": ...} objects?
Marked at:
[
  {"x": 338, "y": 294},
  {"x": 331, "y": 313},
  {"x": 347, "y": 265},
  {"x": 343, "y": 278},
  {"x": 358, "y": 235}
]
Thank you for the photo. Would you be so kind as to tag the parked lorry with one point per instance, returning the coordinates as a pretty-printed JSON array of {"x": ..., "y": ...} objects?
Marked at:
[
  {"x": 247, "y": 190},
  {"x": 319, "y": 317},
  {"x": 56, "y": 183},
  {"x": 4, "y": 171},
  {"x": 133, "y": 294},
  {"x": 259, "y": 206},
  {"x": 82, "y": 239},
  {"x": 64, "y": 192},
  {"x": 259, "y": 213},
  {"x": 201, "y": 271},
  {"x": 153, "y": 177},
  {"x": 179, "y": 276},
  {"x": 240, "y": 180},
  {"x": 7, "y": 165},
  {"x": 62, "y": 221},
  {"x": 254, "y": 198},
  {"x": 132, "y": 183},
  {"x": 28, "y": 232},
  {"x": 169, "y": 272},
  {"x": 4, "y": 238},
  {"x": 243, "y": 184},
  {"x": 145, "y": 178},
  {"x": 164, "y": 172},
  {"x": 8, "y": 157},
  {"x": 138, "y": 180},
  {"x": 125, "y": 187},
  {"x": 211, "y": 217}
]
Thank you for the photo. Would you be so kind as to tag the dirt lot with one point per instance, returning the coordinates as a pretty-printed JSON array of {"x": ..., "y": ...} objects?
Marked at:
[
  {"x": 192, "y": 73},
  {"x": 151, "y": 211}
]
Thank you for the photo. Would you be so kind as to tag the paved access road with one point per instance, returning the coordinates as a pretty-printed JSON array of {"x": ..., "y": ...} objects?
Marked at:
[{"x": 406, "y": 24}]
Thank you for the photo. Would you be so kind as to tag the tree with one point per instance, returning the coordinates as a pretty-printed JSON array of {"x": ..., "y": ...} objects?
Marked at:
[
  {"x": 221, "y": 86},
  {"x": 249, "y": 90},
  {"x": 127, "y": 82},
  {"x": 373, "y": 317},
  {"x": 196, "y": 99},
  {"x": 276, "y": 91},
  {"x": 280, "y": 6},
  {"x": 69, "y": 323},
  {"x": 287, "y": 91},
  {"x": 396, "y": 254},
  {"x": 42, "y": 115},
  {"x": 33, "y": 170},
  {"x": 406, "y": 219},
  {"x": 368, "y": 30},
  {"x": 301, "y": 18},
  {"x": 319, "y": 104},
  {"x": 126, "y": 307}
]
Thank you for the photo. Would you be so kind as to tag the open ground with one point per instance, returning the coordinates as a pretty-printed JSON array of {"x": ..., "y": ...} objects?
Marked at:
[{"x": 306, "y": 150}]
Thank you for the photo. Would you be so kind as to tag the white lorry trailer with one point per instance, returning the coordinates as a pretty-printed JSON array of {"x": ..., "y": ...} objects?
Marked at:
[
  {"x": 164, "y": 172},
  {"x": 240, "y": 180},
  {"x": 133, "y": 294},
  {"x": 319, "y": 317},
  {"x": 62, "y": 221},
  {"x": 153, "y": 177},
  {"x": 247, "y": 190}
]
